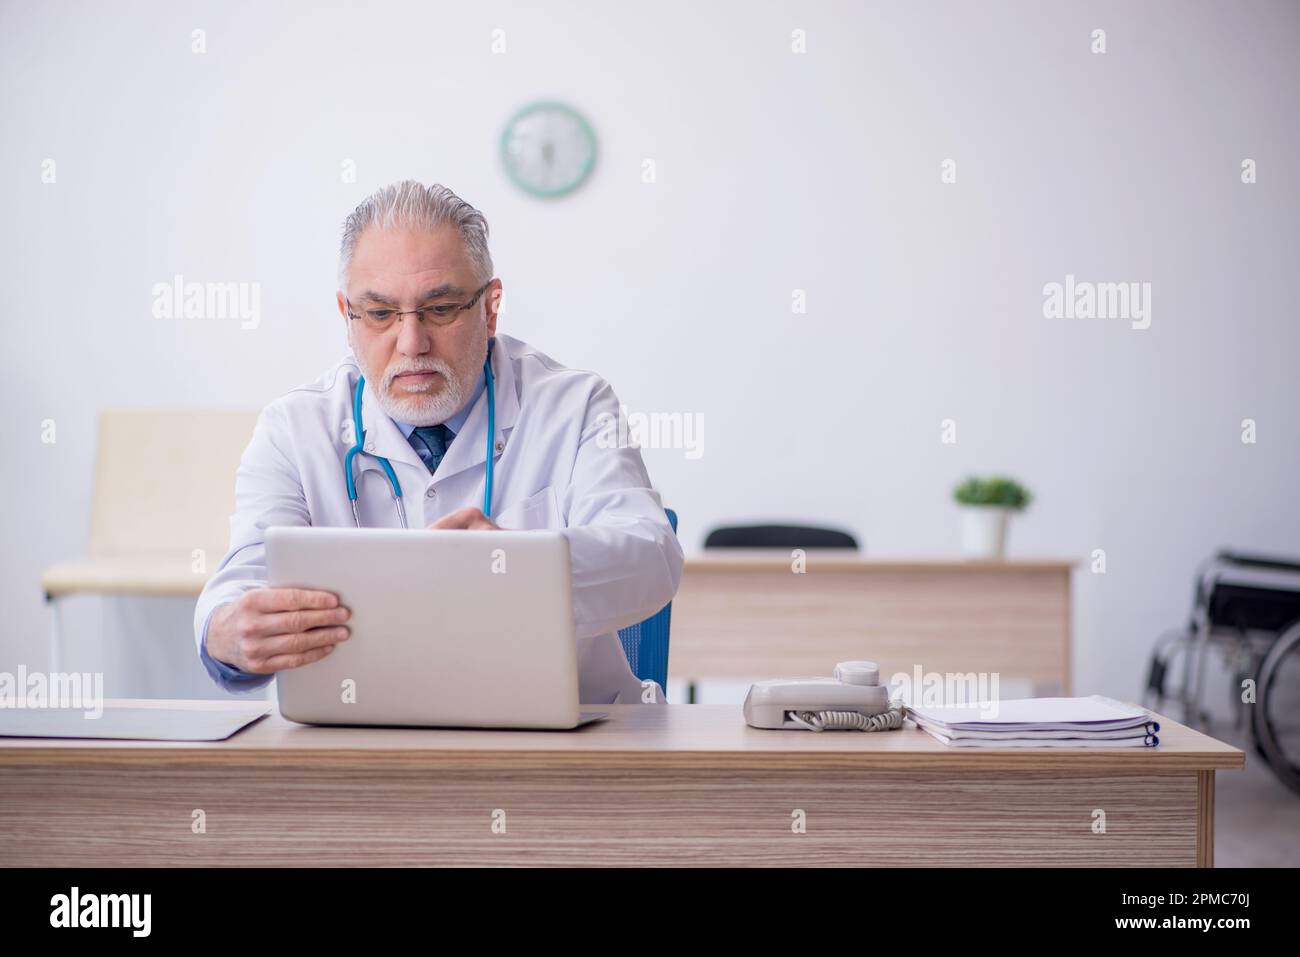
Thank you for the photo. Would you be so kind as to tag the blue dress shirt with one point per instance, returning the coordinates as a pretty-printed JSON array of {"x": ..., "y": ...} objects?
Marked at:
[{"x": 456, "y": 422}]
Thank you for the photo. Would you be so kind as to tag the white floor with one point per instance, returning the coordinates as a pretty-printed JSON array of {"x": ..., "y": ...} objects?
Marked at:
[{"x": 1256, "y": 817}]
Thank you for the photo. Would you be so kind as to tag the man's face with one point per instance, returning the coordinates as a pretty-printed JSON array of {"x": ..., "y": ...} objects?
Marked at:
[{"x": 422, "y": 373}]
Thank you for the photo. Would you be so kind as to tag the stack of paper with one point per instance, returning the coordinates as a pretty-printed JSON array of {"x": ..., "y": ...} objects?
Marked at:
[{"x": 1091, "y": 722}]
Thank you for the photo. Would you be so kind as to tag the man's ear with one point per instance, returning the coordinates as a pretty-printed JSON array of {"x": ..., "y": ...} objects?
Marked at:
[
  {"x": 492, "y": 305},
  {"x": 347, "y": 323}
]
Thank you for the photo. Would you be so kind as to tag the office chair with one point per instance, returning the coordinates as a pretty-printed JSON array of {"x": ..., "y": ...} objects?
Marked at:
[
  {"x": 160, "y": 510},
  {"x": 779, "y": 536},
  {"x": 646, "y": 643}
]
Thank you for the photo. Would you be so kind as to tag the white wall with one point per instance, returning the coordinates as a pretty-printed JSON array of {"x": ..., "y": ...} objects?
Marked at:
[{"x": 776, "y": 172}]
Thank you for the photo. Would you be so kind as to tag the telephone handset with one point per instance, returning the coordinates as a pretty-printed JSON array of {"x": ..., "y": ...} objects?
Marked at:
[{"x": 852, "y": 700}]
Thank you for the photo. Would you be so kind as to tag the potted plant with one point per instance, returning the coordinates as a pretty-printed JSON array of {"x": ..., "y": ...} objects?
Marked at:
[{"x": 986, "y": 504}]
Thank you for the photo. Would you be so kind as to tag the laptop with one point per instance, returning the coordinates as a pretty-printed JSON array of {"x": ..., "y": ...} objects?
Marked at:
[{"x": 450, "y": 628}]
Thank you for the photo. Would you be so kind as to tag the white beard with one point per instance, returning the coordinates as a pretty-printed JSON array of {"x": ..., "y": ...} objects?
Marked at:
[{"x": 422, "y": 408}]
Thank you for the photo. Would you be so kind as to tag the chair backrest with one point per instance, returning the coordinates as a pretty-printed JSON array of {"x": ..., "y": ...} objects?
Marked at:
[
  {"x": 778, "y": 536},
  {"x": 165, "y": 482},
  {"x": 646, "y": 643},
  {"x": 1246, "y": 592}
]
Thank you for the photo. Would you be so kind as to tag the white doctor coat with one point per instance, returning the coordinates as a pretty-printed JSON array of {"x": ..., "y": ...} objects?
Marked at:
[{"x": 553, "y": 470}]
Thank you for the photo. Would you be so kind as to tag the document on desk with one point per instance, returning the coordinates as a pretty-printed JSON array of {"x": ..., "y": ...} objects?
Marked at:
[
  {"x": 127, "y": 723},
  {"x": 1091, "y": 722},
  {"x": 1138, "y": 741}
]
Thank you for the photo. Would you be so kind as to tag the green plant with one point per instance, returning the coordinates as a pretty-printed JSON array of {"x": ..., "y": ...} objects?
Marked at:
[{"x": 995, "y": 490}]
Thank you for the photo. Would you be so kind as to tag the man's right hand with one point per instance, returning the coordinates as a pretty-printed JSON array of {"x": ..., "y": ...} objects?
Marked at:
[{"x": 267, "y": 630}]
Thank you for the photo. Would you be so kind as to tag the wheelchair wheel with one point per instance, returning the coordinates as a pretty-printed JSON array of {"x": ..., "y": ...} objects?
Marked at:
[{"x": 1275, "y": 717}]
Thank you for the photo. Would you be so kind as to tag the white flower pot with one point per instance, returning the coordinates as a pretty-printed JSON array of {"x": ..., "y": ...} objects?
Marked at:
[{"x": 984, "y": 530}]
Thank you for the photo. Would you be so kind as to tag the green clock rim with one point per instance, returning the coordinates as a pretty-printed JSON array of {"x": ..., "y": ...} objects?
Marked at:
[{"x": 587, "y": 166}]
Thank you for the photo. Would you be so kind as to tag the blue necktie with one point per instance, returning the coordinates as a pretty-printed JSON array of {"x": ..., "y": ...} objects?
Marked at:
[{"x": 434, "y": 439}]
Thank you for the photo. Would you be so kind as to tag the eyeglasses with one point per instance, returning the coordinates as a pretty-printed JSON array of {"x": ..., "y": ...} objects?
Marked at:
[{"x": 377, "y": 317}]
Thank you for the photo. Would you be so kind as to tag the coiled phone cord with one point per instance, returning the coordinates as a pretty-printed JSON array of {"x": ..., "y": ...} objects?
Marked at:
[{"x": 848, "y": 720}]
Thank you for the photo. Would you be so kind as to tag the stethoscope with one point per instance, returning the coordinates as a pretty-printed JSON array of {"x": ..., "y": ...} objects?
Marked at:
[{"x": 387, "y": 466}]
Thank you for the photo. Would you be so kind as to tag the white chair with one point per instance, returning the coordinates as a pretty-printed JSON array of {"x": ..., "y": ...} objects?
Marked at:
[{"x": 160, "y": 515}]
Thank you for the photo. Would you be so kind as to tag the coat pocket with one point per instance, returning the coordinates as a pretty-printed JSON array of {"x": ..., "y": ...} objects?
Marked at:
[{"x": 539, "y": 510}]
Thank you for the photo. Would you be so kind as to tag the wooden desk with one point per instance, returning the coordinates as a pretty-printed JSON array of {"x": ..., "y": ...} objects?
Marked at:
[
  {"x": 652, "y": 785},
  {"x": 746, "y": 614}
]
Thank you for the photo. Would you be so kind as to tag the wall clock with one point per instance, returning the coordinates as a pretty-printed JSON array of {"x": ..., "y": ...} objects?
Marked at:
[{"x": 548, "y": 149}]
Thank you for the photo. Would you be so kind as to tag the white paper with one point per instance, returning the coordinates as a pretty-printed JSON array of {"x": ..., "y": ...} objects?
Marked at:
[
  {"x": 1140, "y": 741},
  {"x": 124, "y": 723},
  {"x": 1043, "y": 714}
]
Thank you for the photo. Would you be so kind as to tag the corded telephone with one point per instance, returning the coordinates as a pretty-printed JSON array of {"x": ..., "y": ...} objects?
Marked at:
[{"x": 852, "y": 700}]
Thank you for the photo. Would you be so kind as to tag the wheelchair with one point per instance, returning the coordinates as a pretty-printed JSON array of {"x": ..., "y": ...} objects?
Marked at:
[{"x": 1245, "y": 611}]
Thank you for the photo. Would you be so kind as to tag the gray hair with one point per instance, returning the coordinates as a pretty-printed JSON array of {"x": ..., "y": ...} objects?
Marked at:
[{"x": 412, "y": 205}]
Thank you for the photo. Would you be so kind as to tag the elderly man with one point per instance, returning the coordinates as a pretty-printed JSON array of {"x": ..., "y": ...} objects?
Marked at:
[{"x": 419, "y": 302}]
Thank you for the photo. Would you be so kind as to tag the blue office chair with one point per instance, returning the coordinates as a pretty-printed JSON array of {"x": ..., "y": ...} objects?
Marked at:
[{"x": 646, "y": 643}]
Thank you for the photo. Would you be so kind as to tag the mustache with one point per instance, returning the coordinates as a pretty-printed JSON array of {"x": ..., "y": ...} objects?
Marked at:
[{"x": 433, "y": 365}]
